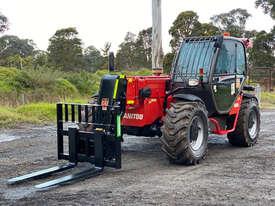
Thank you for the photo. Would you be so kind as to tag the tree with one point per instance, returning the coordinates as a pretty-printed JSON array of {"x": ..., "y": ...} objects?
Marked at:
[
  {"x": 126, "y": 53},
  {"x": 105, "y": 53},
  {"x": 93, "y": 59},
  {"x": 3, "y": 23},
  {"x": 40, "y": 58},
  {"x": 14, "y": 61},
  {"x": 12, "y": 46},
  {"x": 65, "y": 50},
  {"x": 186, "y": 25},
  {"x": 143, "y": 50},
  {"x": 268, "y": 6},
  {"x": 250, "y": 34},
  {"x": 262, "y": 53},
  {"x": 106, "y": 49},
  {"x": 167, "y": 62},
  {"x": 233, "y": 21},
  {"x": 205, "y": 29},
  {"x": 183, "y": 26},
  {"x": 135, "y": 51}
]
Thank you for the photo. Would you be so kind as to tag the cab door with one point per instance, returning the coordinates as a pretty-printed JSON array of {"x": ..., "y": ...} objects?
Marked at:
[
  {"x": 228, "y": 74},
  {"x": 241, "y": 66}
]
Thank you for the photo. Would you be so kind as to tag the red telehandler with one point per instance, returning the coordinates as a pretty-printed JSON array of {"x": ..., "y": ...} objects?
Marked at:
[{"x": 206, "y": 92}]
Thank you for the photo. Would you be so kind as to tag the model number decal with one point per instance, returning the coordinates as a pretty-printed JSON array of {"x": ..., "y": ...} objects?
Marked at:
[{"x": 133, "y": 116}]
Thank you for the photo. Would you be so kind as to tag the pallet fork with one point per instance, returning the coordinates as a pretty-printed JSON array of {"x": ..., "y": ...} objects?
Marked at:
[{"x": 100, "y": 146}]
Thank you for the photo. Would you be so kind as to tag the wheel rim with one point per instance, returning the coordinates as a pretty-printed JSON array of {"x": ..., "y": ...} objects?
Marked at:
[
  {"x": 252, "y": 124},
  {"x": 196, "y": 133}
]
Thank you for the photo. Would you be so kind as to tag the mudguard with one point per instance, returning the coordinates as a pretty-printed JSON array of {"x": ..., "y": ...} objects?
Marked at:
[
  {"x": 250, "y": 96},
  {"x": 188, "y": 97}
]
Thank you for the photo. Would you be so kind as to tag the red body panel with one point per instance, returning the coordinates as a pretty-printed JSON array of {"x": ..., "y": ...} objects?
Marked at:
[{"x": 144, "y": 111}]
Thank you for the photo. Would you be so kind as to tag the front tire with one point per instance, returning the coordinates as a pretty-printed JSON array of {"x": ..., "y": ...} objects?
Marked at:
[
  {"x": 185, "y": 132},
  {"x": 248, "y": 125}
]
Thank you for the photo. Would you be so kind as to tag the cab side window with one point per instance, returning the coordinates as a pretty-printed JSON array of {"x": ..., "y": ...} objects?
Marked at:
[
  {"x": 226, "y": 59},
  {"x": 240, "y": 59}
]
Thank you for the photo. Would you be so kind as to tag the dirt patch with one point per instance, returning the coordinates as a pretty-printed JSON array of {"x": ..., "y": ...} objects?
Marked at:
[{"x": 228, "y": 176}]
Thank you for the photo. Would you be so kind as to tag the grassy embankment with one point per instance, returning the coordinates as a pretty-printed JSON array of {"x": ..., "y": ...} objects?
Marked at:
[{"x": 29, "y": 96}]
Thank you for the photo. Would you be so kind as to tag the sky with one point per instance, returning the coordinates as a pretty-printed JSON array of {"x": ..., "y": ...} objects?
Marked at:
[{"x": 99, "y": 21}]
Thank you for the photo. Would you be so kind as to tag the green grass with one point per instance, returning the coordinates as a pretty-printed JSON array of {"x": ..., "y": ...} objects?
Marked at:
[
  {"x": 38, "y": 113},
  {"x": 34, "y": 113},
  {"x": 268, "y": 100},
  {"x": 10, "y": 118}
]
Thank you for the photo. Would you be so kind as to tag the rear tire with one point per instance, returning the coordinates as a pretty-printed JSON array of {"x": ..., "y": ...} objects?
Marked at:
[
  {"x": 248, "y": 125},
  {"x": 185, "y": 132}
]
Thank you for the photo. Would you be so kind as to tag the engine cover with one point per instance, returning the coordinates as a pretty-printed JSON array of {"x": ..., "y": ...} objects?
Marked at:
[{"x": 145, "y": 108}]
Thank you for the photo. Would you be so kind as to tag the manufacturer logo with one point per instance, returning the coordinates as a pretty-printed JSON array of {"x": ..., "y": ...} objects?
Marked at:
[{"x": 133, "y": 116}]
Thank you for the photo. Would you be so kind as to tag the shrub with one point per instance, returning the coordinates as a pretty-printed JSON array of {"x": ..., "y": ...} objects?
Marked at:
[
  {"x": 7, "y": 78},
  {"x": 23, "y": 81},
  {"x": 43, "y": 77},
  {"x": 83, "y": 81},
  {"x": 64, "y": 88}
]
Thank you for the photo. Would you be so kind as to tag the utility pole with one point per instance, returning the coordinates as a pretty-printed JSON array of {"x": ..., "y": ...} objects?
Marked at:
[{"x": 157, "y": 52}]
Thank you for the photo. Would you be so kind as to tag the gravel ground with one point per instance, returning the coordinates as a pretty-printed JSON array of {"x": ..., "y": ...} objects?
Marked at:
[{"x": 228, "y": 176}]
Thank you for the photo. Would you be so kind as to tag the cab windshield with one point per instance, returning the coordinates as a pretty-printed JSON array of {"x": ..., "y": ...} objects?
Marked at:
[{"x": 193, "y": 55}]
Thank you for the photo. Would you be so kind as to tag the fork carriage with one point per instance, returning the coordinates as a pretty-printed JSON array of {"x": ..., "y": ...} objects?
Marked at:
[{"x": 101, "y": 146}]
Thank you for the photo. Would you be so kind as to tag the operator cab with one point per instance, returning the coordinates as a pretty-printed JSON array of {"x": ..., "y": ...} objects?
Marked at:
[{"x": 212, "y": 69}]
